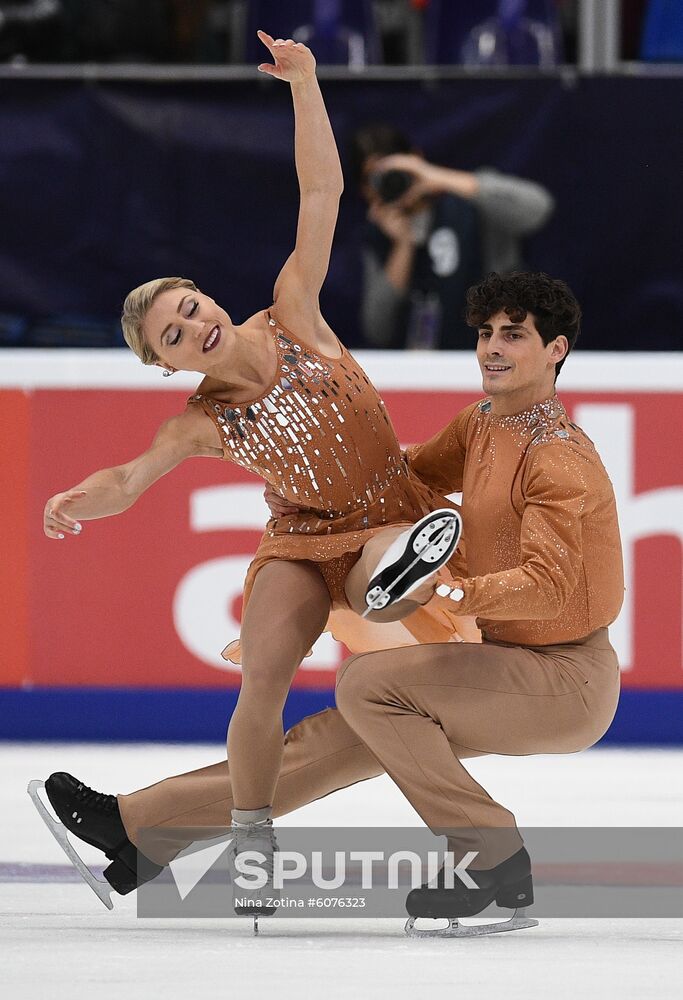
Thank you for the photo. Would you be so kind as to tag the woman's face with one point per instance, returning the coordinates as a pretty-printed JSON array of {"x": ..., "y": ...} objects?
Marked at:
[{"x": 188, "y": 330}]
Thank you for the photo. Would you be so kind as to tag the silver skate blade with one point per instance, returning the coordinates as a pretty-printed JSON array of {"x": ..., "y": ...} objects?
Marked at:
[
  {"x": 377, "y": 604},
  {"x": 517, "y": 922},
  {"x": 99, "y": 886}
]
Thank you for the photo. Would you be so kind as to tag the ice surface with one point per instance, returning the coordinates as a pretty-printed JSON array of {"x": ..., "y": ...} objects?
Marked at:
[{"x": 56, "y": 939}]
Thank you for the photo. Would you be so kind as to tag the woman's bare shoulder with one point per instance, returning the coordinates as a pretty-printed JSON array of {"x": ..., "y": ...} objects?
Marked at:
[{"x": 197, "y": 431}]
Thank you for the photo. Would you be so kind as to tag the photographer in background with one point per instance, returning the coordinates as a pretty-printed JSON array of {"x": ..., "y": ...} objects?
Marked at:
[{"x": 431, "y": 233}]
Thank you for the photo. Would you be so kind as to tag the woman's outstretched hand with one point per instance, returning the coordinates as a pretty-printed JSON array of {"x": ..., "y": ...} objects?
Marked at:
[
  {"x": 293, "y": 61},
  {"x": 56, "y": 522}
]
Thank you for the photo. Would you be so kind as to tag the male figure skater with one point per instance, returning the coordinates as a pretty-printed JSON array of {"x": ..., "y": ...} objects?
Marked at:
[{"x": 544, "y": 580}]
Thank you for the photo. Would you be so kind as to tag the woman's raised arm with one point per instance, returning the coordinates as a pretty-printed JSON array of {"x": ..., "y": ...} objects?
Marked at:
[{"x": 319, "y": 172}]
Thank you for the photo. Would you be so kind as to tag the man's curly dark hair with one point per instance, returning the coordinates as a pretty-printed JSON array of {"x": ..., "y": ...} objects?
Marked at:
[{"x": 551, "y": 301}]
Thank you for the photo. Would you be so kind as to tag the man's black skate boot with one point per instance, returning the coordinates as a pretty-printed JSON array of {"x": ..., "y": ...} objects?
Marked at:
[
  {"x": 94, "y": 817},
  {"x": 509, "y": 883}
]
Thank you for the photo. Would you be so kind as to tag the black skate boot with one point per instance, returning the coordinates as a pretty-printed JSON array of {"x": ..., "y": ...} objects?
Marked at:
[
  {"x": 95, "y": 818},
  {"x": 509, "y": 884}
]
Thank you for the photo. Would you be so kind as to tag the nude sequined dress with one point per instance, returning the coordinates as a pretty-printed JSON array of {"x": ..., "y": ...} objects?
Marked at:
[{"x": 321, "y": 436}]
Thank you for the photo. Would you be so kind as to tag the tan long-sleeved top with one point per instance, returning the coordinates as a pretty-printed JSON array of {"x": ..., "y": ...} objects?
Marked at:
[{"x": 543, "y": 551}]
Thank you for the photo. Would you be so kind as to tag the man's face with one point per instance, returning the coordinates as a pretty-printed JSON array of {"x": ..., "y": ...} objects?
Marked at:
[{"x": 515, "y": 362}]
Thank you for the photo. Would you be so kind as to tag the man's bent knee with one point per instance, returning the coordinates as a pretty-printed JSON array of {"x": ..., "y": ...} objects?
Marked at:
[{"x": 355, "y": 682}]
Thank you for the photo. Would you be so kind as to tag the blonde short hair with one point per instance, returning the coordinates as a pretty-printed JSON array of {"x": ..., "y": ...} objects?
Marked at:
[{"x": 135, "y": 308}]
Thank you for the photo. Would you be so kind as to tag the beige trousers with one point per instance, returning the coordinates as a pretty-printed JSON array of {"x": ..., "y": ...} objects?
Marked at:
[
  {"x": 420, "y": 711},
  {"x": 415, "y": 713}
]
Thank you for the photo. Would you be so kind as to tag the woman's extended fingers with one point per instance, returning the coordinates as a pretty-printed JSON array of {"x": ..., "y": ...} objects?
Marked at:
[
  {"x": 271, "y": 42},
  {"x": 292, "y": 60},
  {"x": 266, "y": 39},
  {"x": 56, "y": 522}
]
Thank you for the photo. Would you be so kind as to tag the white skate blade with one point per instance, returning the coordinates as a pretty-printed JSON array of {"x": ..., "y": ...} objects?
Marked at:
[
  {"x": 517, "y": 922},
  {"x": 99, "y": 886}
]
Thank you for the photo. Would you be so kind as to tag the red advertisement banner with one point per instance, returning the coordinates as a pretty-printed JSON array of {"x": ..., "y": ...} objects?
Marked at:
[{"x": 149, "y": 598}]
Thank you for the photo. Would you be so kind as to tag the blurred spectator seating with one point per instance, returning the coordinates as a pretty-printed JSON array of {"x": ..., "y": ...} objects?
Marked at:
[
  {"x": 340, "y": 32},
  {"x": 26, "y": 27},
  {"x": 632, "y": 20},
  {"x": 153, "y": 31},
  {"x": 74, "y": 331},
  {"x": 59, "y": 331},
  {"x": 493, "y": 33},
  {"x": 662, "y": 39},
  {"x": 117, "y": 31},
  {"x": 12, "y": 330}
]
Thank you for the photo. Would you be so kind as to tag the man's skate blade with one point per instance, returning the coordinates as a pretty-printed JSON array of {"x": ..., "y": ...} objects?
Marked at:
[
  {"x": 99, "y": 886},
  {"x": 517, "y": 922}
]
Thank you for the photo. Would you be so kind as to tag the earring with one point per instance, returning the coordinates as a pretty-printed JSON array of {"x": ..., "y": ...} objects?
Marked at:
[{"x": 166, "y": 373}]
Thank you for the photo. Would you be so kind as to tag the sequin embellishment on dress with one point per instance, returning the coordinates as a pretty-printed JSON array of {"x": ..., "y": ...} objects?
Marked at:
[{"x": 319, "y": 434}]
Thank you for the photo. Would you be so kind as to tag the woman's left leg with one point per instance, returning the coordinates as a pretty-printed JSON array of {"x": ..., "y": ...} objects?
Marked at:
[{"x": 287, "y": 611}]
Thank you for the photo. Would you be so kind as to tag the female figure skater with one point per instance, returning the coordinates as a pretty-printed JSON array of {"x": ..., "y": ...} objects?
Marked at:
[{"x": 283, "y": 398}]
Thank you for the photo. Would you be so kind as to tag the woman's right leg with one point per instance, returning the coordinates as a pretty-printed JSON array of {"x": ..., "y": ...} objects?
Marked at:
[{"x": 287, "y": 611}]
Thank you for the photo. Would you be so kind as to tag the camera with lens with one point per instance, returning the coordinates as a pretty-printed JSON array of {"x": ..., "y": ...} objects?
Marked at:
[{"x": 391, "y": 185}]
